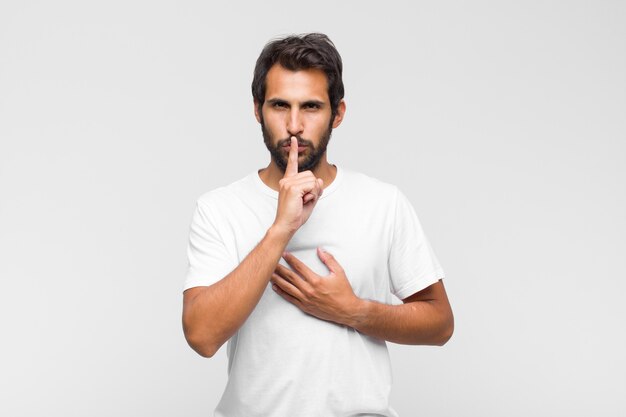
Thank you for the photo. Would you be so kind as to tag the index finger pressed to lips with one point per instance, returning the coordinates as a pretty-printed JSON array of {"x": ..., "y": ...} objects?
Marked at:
[{"x": 292, "y": 162}]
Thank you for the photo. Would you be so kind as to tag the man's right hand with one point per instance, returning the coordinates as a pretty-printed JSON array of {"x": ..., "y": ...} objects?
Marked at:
[
  {"x": 212, "y": 315},
  {"x": 298, "y": 193}
]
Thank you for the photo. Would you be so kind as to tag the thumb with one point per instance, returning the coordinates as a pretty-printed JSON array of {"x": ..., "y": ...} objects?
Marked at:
[{"x": 329, "y": 260}]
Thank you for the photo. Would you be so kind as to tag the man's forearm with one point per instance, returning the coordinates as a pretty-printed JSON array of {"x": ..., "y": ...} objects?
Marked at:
[
  {"x": 216, "y": 312},
  {"x": 413, "y": 323}
]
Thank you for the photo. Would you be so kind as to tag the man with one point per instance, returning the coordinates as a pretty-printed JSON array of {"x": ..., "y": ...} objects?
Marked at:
[{"x": 295, "y": 264}]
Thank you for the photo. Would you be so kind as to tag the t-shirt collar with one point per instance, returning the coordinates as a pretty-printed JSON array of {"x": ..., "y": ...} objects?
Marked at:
[{"x": 261, "y": 186}]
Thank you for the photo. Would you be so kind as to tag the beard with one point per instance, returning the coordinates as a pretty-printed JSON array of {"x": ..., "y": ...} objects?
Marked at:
[{"x": 311, "y": 159}]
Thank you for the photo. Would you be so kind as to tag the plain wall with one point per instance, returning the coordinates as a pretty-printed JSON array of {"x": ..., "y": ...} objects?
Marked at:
[{"x": 503, "y": 122}]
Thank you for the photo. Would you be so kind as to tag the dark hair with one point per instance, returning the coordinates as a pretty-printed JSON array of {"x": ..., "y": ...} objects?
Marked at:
[{"x": 299, "y": 52}]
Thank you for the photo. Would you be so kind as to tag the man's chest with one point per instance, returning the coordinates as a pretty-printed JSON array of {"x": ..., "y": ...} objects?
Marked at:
[{"x": 358, "y": 235}]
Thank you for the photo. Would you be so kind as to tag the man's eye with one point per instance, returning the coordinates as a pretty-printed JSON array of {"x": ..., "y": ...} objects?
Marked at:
[
  {"x": 280, "y": 105},
  {"x": 312, "y": 106}
]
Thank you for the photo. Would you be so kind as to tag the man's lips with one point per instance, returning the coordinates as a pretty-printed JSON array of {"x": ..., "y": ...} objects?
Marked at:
[{"x": 301, "y": 148}]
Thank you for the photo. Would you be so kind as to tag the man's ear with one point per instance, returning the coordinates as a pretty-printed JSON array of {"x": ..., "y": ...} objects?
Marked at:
[
  {"x": 341, "y": 111},
  {"x": 257, "y": 112}
]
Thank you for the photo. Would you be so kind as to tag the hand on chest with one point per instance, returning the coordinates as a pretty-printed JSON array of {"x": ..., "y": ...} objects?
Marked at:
[{"x": 361, "y": 248}]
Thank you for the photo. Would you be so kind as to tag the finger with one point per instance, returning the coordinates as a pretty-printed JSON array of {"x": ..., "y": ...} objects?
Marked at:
[
  {"x": 304, "y": 185},
  {"x": 320, "y": 183},
  {"x": 288, "y": 275},
  {"x": 314, "y": 193},
  {"x": 319, "y": 187},
  {"x": 286, "y": 287},
  {"x": 292, "y": 162},
  {"x": 297, "y": 265},
  {"x": 309, "y": 197},
  {"x": 329, "y": 260},
  {"x": 288, "y": 297}
]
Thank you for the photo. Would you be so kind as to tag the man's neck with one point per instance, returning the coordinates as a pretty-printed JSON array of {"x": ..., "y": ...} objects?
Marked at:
[{"x": 271, "y": 174}]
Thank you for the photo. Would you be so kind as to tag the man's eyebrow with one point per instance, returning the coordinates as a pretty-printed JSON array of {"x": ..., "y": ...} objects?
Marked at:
[
  {"x": 277, "y": 101},
  {"x": 318, "y": 103}
]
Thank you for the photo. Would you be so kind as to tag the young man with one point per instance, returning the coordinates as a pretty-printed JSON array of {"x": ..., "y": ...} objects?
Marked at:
[{"x": 295, "y": 264}]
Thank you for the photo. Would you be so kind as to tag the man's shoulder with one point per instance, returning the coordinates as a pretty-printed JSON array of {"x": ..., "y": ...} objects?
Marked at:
[
  {"x": 358, "y": 181},
  {"x": 227, "y": 193}
]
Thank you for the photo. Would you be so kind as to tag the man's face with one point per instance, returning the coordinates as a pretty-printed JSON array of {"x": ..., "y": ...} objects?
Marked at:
[{"x": 296, "y": 104}]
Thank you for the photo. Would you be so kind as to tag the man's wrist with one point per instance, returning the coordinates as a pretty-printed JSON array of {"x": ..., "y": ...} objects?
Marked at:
[
  {"x": 279, "y": 234},
  {"x": 358, "y": 313}
]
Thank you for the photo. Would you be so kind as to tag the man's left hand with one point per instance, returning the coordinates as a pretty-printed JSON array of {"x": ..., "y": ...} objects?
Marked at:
[{"x": 327, "y": 297}]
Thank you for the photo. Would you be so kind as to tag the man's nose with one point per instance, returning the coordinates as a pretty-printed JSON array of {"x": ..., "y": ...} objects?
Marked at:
[{"x": 294, "y": 123}]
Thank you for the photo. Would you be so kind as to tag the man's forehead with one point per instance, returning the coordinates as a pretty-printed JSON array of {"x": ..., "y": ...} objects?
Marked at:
[{"x": 282, "y": 83}]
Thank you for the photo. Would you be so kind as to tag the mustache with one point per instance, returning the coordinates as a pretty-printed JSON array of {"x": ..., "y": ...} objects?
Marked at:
[{"x": 301, "y": 142}]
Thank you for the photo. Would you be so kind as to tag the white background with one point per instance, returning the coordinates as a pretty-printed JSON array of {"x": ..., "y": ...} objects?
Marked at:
[{"x": 504, "y": 122}]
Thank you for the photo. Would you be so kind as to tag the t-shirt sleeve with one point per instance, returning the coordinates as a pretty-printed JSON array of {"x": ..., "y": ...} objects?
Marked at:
[
  {"x": 412, "y": 264},
  {"x": 209, "y": 259}
]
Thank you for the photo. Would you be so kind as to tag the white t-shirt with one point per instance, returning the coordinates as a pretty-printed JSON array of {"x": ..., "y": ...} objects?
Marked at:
[{"x": 283, "y": 362}]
